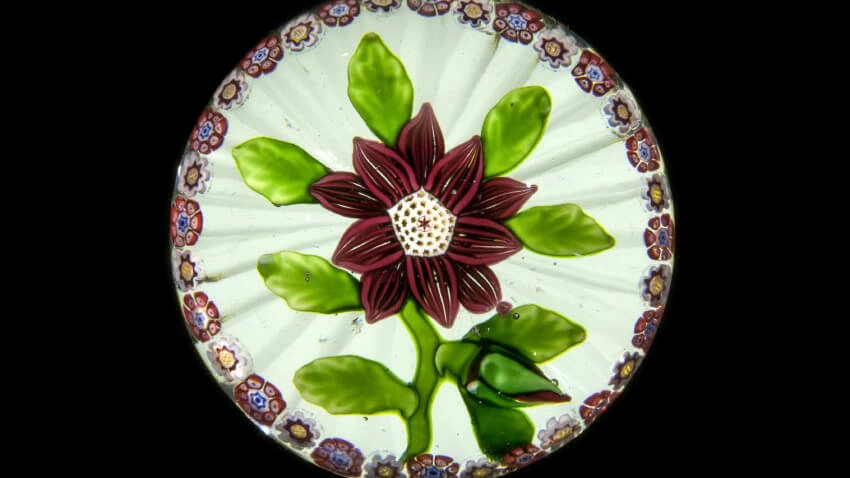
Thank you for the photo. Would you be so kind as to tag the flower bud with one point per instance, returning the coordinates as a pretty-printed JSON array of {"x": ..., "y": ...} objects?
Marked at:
[{"x": 501, "y": 379}]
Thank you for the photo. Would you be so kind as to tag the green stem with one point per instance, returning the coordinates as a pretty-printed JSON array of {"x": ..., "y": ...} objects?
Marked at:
[{"x": 426, "y": 380}]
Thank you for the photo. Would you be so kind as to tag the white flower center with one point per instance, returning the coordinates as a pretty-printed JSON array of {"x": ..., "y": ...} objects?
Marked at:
[{"x": 423, "y": 225}]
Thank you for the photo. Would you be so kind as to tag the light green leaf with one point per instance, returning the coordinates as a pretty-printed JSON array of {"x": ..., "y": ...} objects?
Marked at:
[
  {"x": 309, "y": 283},
  {"x": 513, "y": 128},
  {"x": 348, "y": 384},
  {"x": 379, "y": 88},
  {"x": 282, "y": 172},
  {"x": 538, "y": 334},
  {"x": 498, "y": 430},
  {"x": 561, "y": 231}
]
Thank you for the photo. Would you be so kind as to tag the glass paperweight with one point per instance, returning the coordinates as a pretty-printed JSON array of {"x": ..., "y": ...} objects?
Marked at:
[{"x": 449, "y": 218}]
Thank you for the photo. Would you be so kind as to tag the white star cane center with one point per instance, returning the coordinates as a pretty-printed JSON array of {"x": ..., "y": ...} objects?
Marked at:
[{"x": 422, "y": 224}]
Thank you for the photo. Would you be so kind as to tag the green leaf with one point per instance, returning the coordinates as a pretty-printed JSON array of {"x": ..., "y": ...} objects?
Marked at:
[
  {"x": 513, "y": 128},
  {"x": 487, "y": 394},
  {"x": 379, "y": 88},
  {"x": 511, "y": 377},
  {"x": 561, "y": 231},
  {"x": 282, "y": 172},
  {"x": 309, "y": 283},
  {"x": 498, "y": 430},
  {"x": 538, "y": 334},
  {"x": 348, "y": 384},
  {"x": 455, "y": 357}
]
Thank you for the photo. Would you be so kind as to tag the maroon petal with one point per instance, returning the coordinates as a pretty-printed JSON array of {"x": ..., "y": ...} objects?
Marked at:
[
  {"x": 500, "y": 198},
  {"x": 434, "y": 285},
  {"x": 384, "y": 172},
  {"x": 346, "y": 195},
  {"x": 421, "y": 142},
  {"x": 383, "y": 291},
  {"x": 478, "y": 288},
  {"x": 456, "y": 178},
  {"x": 368, "y": 244},
  {"x": 479, "y": 241},
  {"x": 544, "y": 396}
]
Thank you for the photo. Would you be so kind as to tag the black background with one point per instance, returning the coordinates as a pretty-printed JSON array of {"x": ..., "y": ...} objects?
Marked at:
[{"x": 174, "y": 60}]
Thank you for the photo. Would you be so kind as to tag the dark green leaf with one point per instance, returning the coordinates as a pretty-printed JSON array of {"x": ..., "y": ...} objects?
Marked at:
[
  {"x": 455, "y": 357},
  {"x": 538, "y": 334},
  {"x": 485, "y": 393},
  {"x": 498, "y": 430},
  {"x": 510, "y": 377}
]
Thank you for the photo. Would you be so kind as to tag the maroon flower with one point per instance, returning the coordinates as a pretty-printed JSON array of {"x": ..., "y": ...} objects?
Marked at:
[
  {"x": 623, "y": 115},
  {"x": 382, "y": 5},
  {"x": 642, "y": 151},
  {"x": 483, "y": 468},
  {"x": 427, "y": 224},
  {"x": 593, "y": 74},
  {"x": 521, "y": 457},
  {"x": 339, "y": 456},
  {"x": 473, "y": 12},
  {"x": 624, "y": 369},
  {"x": 201, "y": 316},
  {"x": 427, "y": 466},
  {"x": 301, "y": 33},
  {"x": 660, "y": 237},
  {"x": 515, "y": 22},
  {"x": 209, "y": 132},
  {"x": 595, "y": 404},
  {"x": 187, "y": 269},
  {"x": 657, "y": 193},
  {"x": 259, "y": 399},
  {"x": 656, "y": 286},
  {"x": 297, "y": 430},
  {"x": 233, "y": 91},
  {"x": 187, "y": 222},
  {"x": 339, "y": 13},
  {"x": 556, "y": 48},
  {"x": 645, "y": 328},
  {"x": 429, "y": 8},
  {"x": 263, "y": 58},
  {"x": 384, "y": 467}
]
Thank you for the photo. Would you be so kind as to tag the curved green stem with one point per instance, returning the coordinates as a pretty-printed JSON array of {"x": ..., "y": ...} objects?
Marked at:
[{"x": 425, "y": 382}]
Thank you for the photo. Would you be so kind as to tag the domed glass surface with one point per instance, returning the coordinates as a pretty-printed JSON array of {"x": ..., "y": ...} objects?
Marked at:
[{"x": 448, "y": 217}]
